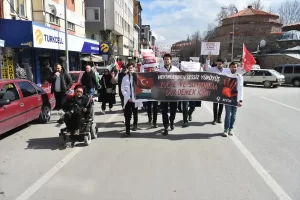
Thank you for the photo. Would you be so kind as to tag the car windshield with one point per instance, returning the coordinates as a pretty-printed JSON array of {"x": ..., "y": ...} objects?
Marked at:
[
  {"x": 75, "y": 77},
  {"x": 275, "y": 72}
]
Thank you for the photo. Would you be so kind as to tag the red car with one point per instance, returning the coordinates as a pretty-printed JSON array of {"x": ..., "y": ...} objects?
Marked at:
[
  {"x": 22, "y": 101},
  {"x": 76, "y": 78}
]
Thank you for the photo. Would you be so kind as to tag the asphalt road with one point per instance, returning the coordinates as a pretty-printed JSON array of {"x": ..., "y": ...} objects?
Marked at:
[{"x": 261, "y": 162}]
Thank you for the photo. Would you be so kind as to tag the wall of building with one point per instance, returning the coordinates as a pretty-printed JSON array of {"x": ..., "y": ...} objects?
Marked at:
[
  {"x": 270, "y": 61},
  {"x": 248, "y": 30},
  {"x": 10, "y": 13},
  {"x": 75, "y": 15}
]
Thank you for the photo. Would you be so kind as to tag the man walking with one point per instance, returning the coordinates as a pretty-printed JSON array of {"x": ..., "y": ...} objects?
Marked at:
[
  {"x": 88, "y": 80},
  {"x": 230, "y": 111},
  {"x": 61, "y": 83},
  {"x": 165, "y": 105},
  {"x": 120, "y": 78}
]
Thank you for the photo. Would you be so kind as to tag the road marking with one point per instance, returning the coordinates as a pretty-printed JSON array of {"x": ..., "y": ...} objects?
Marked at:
[
  {"x": 269, "y": 180},
  {"x": 48, "y": 175},
  {"x": 297, "y": 109}
]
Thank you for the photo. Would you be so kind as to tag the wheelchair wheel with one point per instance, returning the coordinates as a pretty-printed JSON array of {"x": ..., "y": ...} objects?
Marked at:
[
  {"x": 87, "y": 139},
  {"x": 94, "y": 131}
]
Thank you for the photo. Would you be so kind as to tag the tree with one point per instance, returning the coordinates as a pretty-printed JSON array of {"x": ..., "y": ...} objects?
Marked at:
[
  {"x": 289, "y": 12},
  {"x": 256, "y": 4},
  {"x": 226, "y": 12}
]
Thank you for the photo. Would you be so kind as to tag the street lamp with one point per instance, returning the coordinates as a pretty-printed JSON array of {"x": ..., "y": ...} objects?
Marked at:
[
  {"x": 66, "y": 37},
  {"x": 233, "y": 33},
  {"x": 233, "y": 27}
]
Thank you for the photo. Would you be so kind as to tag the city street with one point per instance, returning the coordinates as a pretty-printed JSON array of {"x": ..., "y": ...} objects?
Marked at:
[{"x": 261, "y": 162}]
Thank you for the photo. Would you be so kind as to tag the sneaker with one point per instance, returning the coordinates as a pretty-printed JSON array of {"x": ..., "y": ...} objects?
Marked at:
[
  {"x": 154, "y": 125},
  {"x": 172, "y": 126},
  {"x": 190, "y": 118},
  {"x": 60, "y": 121},
  {"x": 110, "y": 109},
  {"x": 219, "y": 121},
  {"x": 214, "y": 122},
  {"x": 103, "y": 112},
  {"x": 225, "y": 133},
  {"x": 230, "y": 132},
  {"x": 149, "y": 122},
  {"x": 134, "y": 128}
]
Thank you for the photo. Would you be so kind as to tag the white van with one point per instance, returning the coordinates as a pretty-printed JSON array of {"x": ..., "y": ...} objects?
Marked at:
[{"x": 266, "y": 77}]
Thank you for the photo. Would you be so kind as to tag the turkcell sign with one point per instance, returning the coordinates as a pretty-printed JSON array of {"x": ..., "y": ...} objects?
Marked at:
[
  {"x": 49, "y": 38},
  {"x": 53, "y": 39}
]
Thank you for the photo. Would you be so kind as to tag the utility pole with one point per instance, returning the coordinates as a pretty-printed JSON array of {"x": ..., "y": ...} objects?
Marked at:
[
  {"x": 233, "y": 33},
  {"x": 66, "y": 38}
]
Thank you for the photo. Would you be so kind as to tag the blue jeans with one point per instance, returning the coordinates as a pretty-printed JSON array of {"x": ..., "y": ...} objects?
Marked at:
[
  {"x": 230, "y": 116},
  {"x": 90, "y": 92}
]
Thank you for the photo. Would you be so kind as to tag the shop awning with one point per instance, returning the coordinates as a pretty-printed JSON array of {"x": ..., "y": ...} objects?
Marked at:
[{"x": 2, "y": 43}]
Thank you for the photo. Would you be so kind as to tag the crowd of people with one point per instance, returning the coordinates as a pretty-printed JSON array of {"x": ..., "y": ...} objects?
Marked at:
[{"x": 126, "y": 80}]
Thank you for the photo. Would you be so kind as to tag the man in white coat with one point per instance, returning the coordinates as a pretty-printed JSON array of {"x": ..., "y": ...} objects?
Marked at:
[
  {"x": 130, "y": 104},
  {"x": 165, "y": 105}
]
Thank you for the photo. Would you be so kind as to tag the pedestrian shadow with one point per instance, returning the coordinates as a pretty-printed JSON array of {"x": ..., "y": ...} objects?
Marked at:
[
  {"x": 158, "y": 135},
  {"x": 109, "y": 112},
  {"x": 50, "y": 143}
]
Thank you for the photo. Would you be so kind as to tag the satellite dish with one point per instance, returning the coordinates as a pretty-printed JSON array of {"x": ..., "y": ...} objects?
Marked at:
[{"x": 262, "y": 43}]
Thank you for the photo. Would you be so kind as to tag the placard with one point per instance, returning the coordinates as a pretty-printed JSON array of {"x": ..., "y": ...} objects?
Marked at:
[
  {"x": 210, "y": 48},
  {"x": 190, "y": 66}
]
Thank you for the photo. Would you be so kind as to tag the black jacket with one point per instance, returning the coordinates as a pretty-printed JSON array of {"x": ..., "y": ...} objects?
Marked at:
[
  {"x": 88, "y": 80},
  {"x": 77, "y": 104},
  {"x": 66, "y": 81}
]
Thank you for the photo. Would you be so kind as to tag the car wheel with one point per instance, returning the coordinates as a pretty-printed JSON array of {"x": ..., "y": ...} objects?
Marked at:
[
  {"x": 267, "y": 84},
  {"x": 45, "y": 114},
  {"x": 296, "y": 83}
]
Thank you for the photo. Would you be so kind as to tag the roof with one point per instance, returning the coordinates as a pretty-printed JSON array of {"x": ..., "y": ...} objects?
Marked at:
[
  {"x": 290, "y": 35},
  {"x": 289, "y": 25},
  {"x": 251, "y": 11}
]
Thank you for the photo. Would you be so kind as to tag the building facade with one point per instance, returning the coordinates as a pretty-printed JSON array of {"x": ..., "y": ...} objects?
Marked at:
[
  {"x": 146, "y": 35},
  {"x": 138, "y": 23},
  {"x": 35, "y": 38},
  {"x": 249, "y": 27},
  {"x": 112, "y": 21}
]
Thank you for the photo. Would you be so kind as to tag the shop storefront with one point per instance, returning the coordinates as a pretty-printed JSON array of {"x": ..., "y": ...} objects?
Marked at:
[{"x": 32, "y": 50}]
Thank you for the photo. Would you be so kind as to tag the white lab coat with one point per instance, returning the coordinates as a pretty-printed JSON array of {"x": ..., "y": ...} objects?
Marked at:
[
  {"x": 209, "y": 68},
  {"x": 173, "y": 69},
  {"x": 125, "y": 88}
]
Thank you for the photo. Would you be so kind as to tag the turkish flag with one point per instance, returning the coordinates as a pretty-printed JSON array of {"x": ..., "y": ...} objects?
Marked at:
[
  {"x": 248, "y": 59},
  {"x": 144, "y": 82}
]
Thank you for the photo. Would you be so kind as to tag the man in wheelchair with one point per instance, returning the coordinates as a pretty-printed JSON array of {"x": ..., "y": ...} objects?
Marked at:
[{"x": 78, "y": 111}]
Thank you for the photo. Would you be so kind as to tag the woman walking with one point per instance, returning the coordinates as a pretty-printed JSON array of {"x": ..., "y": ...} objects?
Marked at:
[{"x": 107, "y": 95}]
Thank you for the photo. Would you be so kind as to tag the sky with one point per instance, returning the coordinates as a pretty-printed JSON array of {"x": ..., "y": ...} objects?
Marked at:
[{"x": 174, "y": 20}]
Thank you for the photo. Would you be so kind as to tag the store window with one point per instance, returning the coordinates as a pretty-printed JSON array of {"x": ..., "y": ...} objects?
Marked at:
[
  {"x": 23, "y": 64},
  {"x": 46, "y": 64}
]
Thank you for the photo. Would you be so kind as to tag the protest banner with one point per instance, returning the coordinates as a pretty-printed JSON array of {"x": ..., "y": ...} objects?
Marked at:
[
  {"x": 210, "y": 48},
  {"x": 149, "y": 59},
  {"x": 189, "y": 86},
  {"x": 190, "y": 66}
]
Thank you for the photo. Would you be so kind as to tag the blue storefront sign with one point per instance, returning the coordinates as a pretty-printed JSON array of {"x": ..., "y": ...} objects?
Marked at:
[{"x": 28, "y": 34}]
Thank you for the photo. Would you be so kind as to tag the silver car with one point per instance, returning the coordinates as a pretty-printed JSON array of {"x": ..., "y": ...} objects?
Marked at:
[{"x": 266, "y": 77}]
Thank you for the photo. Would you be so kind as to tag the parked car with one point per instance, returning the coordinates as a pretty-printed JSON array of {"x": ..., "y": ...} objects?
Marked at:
[
  {"x": 291, "y": 73},
  {"x": 76, "y": 78},
  {"x": 265, "y": 77},
  {"x": 22, "y": 101}
]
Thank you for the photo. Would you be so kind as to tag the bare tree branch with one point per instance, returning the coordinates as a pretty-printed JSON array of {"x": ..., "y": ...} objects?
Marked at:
[
  {"x": 256, "y": 4},
  {"x": 226, "y": 12},
  {"x": 289, "y": 12}
]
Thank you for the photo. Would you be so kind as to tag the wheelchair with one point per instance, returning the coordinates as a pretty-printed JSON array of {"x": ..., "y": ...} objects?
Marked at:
[{"x": 87, "y": 132}]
